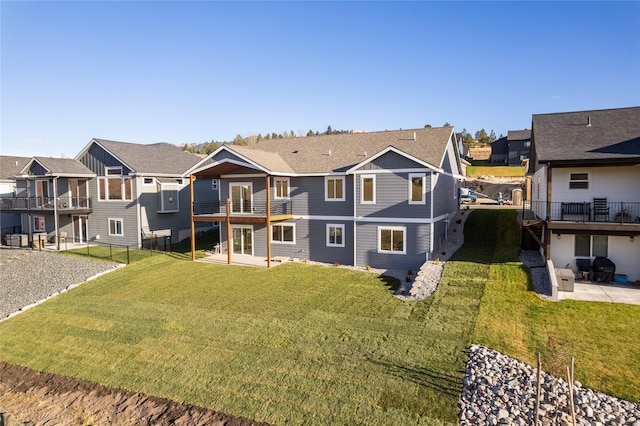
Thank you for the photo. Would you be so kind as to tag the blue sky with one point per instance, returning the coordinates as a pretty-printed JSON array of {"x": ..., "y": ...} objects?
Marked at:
[{"x": 190, "y": 72}]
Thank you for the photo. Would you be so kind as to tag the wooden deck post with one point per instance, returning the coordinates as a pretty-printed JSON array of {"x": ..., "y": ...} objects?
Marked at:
[
  {"x": 192, "y": 178},
  {"x": 268, "y": 187},
  {"x": 228, "y": 206}
]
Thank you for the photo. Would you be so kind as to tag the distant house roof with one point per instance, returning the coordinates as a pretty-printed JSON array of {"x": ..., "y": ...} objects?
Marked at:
[
  {"x": 607, "y": 136},
  {"x": 67, "y": 167},
  {"x": 10, "y": 166},
  {"x": 339, "y": 153},
  {"x": 158, "y": 158},
  {"x": 518, "y": 135}
]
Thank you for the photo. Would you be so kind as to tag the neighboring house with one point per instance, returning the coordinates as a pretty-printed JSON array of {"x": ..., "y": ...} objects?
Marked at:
[
  {"x": 586, "y": 187},
  {"x": 500, "y": 151},
  {"x": 513, "y": 149},
  {"x": 10, "y": 166},
  {"x": 52, "y": 195},
  {"x": 139, "y": 192},
  {"x": 519, "y": 142},
  {"x": 382, "y": 199}
]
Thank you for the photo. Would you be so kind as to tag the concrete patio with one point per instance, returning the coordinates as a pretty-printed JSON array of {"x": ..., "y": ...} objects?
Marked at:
[{"x": 603, "y": 292}]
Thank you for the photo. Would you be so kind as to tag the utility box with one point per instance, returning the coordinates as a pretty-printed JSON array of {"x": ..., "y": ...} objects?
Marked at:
[
  {"x": 17, "y": 240},
  {"x": 516, "y": 197}
]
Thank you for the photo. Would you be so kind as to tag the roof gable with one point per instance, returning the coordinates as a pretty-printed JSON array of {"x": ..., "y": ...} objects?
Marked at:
[
  {"x": 60, "y": 167},
  {"x": 152, "y": 159}
]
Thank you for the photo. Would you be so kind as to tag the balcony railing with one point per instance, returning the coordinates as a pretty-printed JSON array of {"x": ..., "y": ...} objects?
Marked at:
[
  {"x": 595, "y": 211},
  {"x": 278, "y": 208},
  {"x": 45, "y": 203}
]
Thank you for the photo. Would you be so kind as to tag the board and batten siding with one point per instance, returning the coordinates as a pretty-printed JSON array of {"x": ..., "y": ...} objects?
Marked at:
[
  {"x": 417, "y": 244},
  {"x": 96, "y": 159}
]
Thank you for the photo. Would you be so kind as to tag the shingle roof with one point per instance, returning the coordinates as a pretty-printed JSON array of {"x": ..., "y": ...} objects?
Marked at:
[
  {"x": 518, "y": 135},
  {"x": 338, "y": 153},
  {"x": 157, "y": 158},
  {"x": 64, "y": 166},
  {"x": 10, "y": 166},
  {"x": 613, "y": 135}
]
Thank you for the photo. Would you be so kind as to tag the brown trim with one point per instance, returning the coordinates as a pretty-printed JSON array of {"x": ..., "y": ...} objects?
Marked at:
[
  {"x": 228, "y": 205},
  {"x": 192, "y": 178}
]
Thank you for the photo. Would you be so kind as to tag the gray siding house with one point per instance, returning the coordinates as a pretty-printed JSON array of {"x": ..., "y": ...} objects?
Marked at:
[
  {"x": 51, "y": 196},
  {"x": 138, "y": 192},
  {"x": 381, "y": 199},
  {"x": 10, "y": 218}
]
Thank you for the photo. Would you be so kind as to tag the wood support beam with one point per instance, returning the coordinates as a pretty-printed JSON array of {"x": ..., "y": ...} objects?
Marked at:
[
  {"x": 192, "y": 179},
  {"x": 228, "y": 231}
]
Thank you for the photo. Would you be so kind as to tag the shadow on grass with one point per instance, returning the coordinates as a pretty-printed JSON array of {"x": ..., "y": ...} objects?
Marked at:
[
  {"x": 427, "y": 399},
  {"x": 490, "y": 236},
  {"x": 392, "y": 284}
]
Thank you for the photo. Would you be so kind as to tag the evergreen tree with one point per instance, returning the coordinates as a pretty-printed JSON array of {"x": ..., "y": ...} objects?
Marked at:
[{"x": 310, "y": 133}]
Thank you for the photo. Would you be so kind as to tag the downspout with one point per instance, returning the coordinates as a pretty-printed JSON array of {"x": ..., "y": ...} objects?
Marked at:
[
  {"x": 55, "y": 212},
  {"x": 192, "y": 179}
]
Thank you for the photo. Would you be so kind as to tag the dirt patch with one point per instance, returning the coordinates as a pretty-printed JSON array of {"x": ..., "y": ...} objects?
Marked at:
[{"x": 32, "y": 397}]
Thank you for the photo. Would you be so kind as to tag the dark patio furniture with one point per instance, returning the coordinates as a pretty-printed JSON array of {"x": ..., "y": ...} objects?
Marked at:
[{"x": 584, "y": 268}]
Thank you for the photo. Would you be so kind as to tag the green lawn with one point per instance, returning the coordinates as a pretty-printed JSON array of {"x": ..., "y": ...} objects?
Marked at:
[
  {"x": 296, "y": 344},
  {"x": 303, "y": 344},
  {"x": 502, "y": 171}
]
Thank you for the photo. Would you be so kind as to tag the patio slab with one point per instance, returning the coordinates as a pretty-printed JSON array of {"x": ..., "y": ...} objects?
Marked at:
[{"x": 601, "y": 292}]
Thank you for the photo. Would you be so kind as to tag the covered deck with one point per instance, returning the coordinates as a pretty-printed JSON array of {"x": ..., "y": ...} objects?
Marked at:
[{"x": 233, "y": 211}]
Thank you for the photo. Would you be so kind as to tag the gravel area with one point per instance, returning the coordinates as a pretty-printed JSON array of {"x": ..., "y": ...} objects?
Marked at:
[
  {"x": 539, "y": 273},
  {"x": 28, "y": 277},
  {"x": 499, "y": 390}
]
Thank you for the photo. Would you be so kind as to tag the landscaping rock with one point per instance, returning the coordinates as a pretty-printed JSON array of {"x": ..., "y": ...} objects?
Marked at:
[{"x": 492, "y": 376}]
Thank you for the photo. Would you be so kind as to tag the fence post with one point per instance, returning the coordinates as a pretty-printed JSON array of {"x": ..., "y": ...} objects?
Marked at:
[
  {"x": 110, "y": 253},
  {"x": 128, "y": 260}
]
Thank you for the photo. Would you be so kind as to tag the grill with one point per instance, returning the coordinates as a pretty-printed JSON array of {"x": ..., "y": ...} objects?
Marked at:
[{"x": 603, "y": 269}]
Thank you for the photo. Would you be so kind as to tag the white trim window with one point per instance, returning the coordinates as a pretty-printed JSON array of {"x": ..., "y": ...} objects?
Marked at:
[
  {"x": 368, "y": 189},
  {"x": 116, "y": 227},
  {"x": 391, "y": 239},
  {"x": 281, "y": 188},
  {"x": 334, "y": 188},
  {"x": 114, "y": 186},
  {"x": 283, "y": 233},
  {"x": 148, "y": 181},
  {"x": 335, "y": 235},
  {"x": 38, "y": 224},
  {"x": 591, "y": 245},
  {"x": 579, "y": 181},
  {"x": 417, "y": 188}
]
